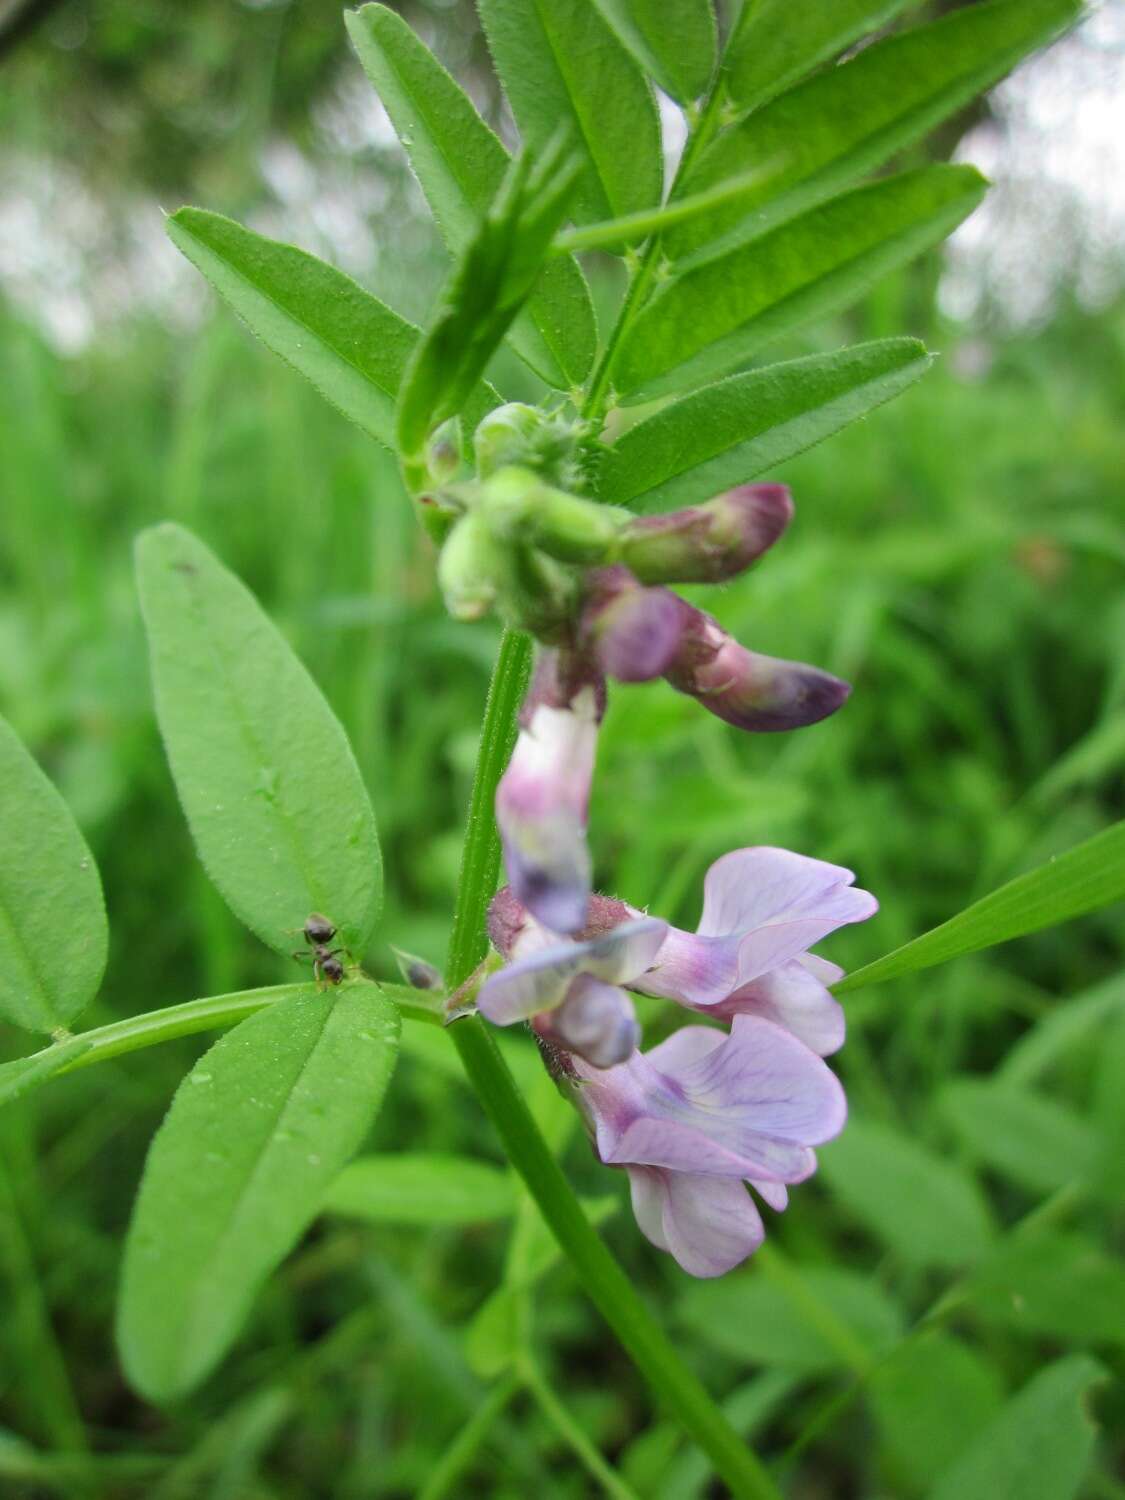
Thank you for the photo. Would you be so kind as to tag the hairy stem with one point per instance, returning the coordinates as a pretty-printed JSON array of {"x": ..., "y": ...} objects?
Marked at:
[
  {"x": 572, "y": 1434},
  {"x": 647, "y": 266},
  {"x": 605, "y": 1282}
]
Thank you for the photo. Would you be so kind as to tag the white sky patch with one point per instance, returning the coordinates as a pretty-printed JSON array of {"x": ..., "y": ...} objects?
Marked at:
[{"x": 1055, "y": 215}]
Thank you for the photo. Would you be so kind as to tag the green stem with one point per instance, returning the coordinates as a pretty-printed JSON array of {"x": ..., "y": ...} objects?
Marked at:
[
  {"x": 462, "y": 1450},
  {"x": 593, "y": 407},
  {"x": 605, "y": 1282},
  {"x": 569, "y": 1430},
  {"x": 212, "y": 1014}
]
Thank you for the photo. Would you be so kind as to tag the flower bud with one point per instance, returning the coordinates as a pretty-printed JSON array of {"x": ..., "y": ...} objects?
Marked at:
[
  {"x": 707, "y": 543},
  {"x": 523, "y": 435},
  {"x": 521, "y": 507},
  {"x": 506, "y": 436},
  {"x": 469, "y": 568},
  {"x": 417, "y": 972},
  {"x": 632, "y": 632},
  {"x": 542, "y": 798},
  {"x": 596, "y": 1021},
  {"x": 759, "y": 693},
  {"x": 443, "y": 453}
]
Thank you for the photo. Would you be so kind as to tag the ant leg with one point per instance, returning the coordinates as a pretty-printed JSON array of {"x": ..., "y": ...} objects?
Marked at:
[{"x": 302, "y": 956}]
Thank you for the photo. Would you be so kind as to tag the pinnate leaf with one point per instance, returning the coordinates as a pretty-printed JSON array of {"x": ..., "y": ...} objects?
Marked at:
[
  {"x": 1084, "y": 879},
  {"x": 1037, "y": 1447},
  {"x": 257, "y": 1132},
  {"x": 53, "y": 934},
  {"x": 421, "y": 1188},
  {"x": 264, "y": 771},
  {"x": 561, "y": 65},
  {"x": 460, "y": 164},
  {"x": 351, "y": 346},
  {"x": 775, "y": 43},
  {"x": 929, "y": 1211},
  {"x": 729, "y": 432},
  {"x": 849, "y": 119},
  {"x": 713, "y": 318},
  {"x": 489, "y": 285},
  {"x": 675, "y": 44}
]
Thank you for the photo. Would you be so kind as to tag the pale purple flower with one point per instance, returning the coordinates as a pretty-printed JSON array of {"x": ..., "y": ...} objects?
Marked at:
[
  {"x": 570, "y": 992},
  {"x": 699, "y": 1116},
  {"x": 543, "y": 796},
  {"x": 762, "y": 909}
]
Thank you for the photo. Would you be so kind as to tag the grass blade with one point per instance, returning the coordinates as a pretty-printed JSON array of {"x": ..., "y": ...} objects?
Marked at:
[{"x": 1084, "y": 879}]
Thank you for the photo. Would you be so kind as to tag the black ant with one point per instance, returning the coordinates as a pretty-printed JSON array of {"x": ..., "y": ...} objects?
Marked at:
[{"x": 319, "y": 932}]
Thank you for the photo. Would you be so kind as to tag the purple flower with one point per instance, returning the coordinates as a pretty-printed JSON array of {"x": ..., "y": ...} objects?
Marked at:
[
  {"x": 707, "y": 543},
  {"x": 632, "y": 632},
  {"x": 760, "y": 693},
  {"x": 762, "y": 909},
  {"x": 570, "y": 992},
  {"x": 635, "y": 633},
  {"x": 542, "y": 798},
  {"x": 699, "y": 1116}
]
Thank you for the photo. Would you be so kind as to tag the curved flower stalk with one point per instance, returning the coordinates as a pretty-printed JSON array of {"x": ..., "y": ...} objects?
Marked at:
[{"x": 699, "y": 1116}]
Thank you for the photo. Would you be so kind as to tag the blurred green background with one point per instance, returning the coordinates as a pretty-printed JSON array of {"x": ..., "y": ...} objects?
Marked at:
[{"x": 960, "y": 557}]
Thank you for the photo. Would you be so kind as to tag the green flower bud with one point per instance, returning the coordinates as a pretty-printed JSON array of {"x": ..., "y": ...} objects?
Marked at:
[
  {"x": 524, "y": 436},
  {"x": 470, "y": 567},
  {"x": 572, "y": 530}
]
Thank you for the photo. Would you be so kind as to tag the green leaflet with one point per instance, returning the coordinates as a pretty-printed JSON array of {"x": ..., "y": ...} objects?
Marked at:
[
  {"x": 264, "y": 771},
  {"x": 775, "y": 43},
  {"x": 53, "y": 934},
  {"x": 1037, "y": 1447},
  {"x": 846, "y": 120},
  {"x": 1025, "y": 1136},
  {"x": 674, "y": 43},
  {"x": 715, "y": 317},
  {"x": 928, "y": 1210},
  {"x": 727, "y": 433},
  {"x": 256, "y": 1133},
  {"x": 460, "y": 164},
  {"x": 560, "y": 64},
  {"x": 351, "y": 346},
  {"x": 421, "y": 1188},
  {"x": 490, "y": 283},
  {"x": 1053, "y": 1285},
  {"x": 821, "y": 1319},
  {"x": 930, "y": 1398},
  {"x": 1085, "y": 878}
]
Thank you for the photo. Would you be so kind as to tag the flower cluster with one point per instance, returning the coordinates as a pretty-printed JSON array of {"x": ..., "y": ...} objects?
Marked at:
[
  {"x": 717, "y": 1106},
  {"x": 706, "y": 1110}
]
